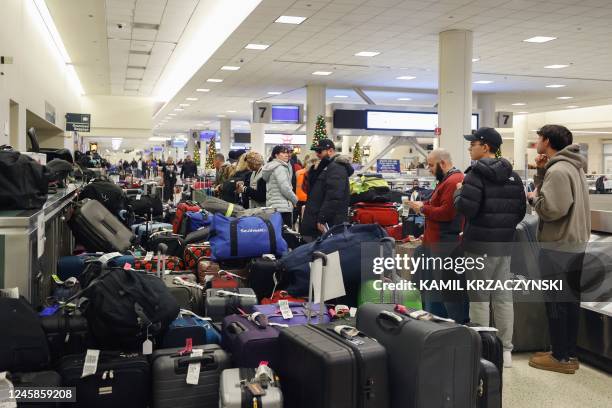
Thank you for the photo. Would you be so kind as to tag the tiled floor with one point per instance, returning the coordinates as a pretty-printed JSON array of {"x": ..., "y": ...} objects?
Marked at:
[{"x": 526, "y": 387}]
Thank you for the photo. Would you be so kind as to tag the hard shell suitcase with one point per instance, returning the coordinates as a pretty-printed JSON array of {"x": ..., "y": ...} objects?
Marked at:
[
  {"x": 170, "y": 389},
  {"x": 223, "y": 302},
  {"x": 234, "y": 394},
  {"x": 174, "y": 242},
  {"x": 433, "y": 363},
  {"x": 190, "y": 326},
  {"x": 121, "y": 380},
  {"x": 384, "y": 214},
  {"x": 250, "y": 343},
  {"x": 37, "y": 379},
  {"x": 489, "y": 385},
  {"x": 300, "y": 313},
  {"x": 66, "y": 333},
  {"x": 97, "y": 229}
]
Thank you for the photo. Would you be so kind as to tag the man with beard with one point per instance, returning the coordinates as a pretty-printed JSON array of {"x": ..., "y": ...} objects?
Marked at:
[{"x": 441, "y": 237}]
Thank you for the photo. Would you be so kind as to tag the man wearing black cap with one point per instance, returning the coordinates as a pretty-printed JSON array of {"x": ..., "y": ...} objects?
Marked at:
[
  {"x": 492, "y": 200},
  {"x": 328, "y": 191}
]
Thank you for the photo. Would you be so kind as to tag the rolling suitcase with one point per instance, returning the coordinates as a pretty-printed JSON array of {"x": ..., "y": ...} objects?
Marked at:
[
  {"x": 38, "y": 379},
  {"x": 190, "y": 326},
  {"x": 384, "y": 214},
  {"x": 170, "y": 388},
  {"x": 433, "y": 363},
  {"x": 223, "y": 302},
  {"x": 262, "y": 275},
  {"x": 300, "y": 312},
  {"x": 492, "y": 347},
  {"x": 120, "y": 380},
  {"x": 235, "y": 393},
  {"x": 249, "y": 341},
  {"x": 188, "y": 295},
  {"x": 144, "y": 230},
  {"x": 174, "y": 242},
  {"x": 345, "y": 368},
  {"x": 97, "y": 229},
  {"x": 489, "y": 385}
]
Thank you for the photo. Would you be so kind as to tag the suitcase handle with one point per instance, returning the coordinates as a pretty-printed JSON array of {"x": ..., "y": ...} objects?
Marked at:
[
  {"x": 236, "y": 328},
  {"x": 389, "y": 321},
  {"x": 206, "y": 360}
]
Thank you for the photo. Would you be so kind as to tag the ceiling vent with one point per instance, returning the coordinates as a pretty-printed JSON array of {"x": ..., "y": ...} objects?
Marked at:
[
  {"x": 136, "y": 52},
  {"x": 146, "y": 26}
]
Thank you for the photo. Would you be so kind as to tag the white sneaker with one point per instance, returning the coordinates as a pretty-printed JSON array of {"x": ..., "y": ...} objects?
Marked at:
[{"x": 507, "y": 359}]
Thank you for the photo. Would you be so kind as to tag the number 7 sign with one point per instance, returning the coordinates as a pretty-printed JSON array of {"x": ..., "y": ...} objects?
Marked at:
[{"x": 504, "y": 119}]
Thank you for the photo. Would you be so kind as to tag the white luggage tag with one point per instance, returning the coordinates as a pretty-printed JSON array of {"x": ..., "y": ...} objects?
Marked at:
[
  {"x": 483, "y": 329},
  {"x": 285, "y": 309},
  {"x": 423, "y": 315},
  {"x": 269, "y": 257},
  {"x": 228, "y": 293},
  {"x": 186, "y": 312},
  {"x": 223, "y": 272},
  {"x": 148, "y": 256},
  {"x": 147, "y": 345},
  {"x": 193, "y": 370},
  {"x": 107, "y": 257},
  {"x": 182, "y": 282},
  {"x": 12, "y": 293},
  {"x": 91, "y": 363},
  {"x": 7, "y": 399}
]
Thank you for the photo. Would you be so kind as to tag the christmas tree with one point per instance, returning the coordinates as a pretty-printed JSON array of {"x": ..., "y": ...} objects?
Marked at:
[
  {"x": 320, "y": 132},
  {"x": 498, "y": 153},
  {"x": 196, "y": 154},
  {"x": 210, "y": 157},
  {"x": 357, "y": 154}
]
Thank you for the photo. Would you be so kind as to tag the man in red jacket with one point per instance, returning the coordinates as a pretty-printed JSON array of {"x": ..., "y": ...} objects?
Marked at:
[{"x": 443, "y": 226}]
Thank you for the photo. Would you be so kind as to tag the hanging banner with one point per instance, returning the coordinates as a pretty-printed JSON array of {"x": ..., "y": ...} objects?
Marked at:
[{"x": 388, "y": 166}]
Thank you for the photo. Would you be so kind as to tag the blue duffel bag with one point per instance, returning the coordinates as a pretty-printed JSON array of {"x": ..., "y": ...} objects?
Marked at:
[
  {"x": 197, "y": 220},
  {"x": 246, "y": 237},
  {"x": 346, "y": 239}
]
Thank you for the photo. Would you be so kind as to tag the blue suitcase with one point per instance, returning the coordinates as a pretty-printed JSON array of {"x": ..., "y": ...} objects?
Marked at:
[
  {"x": 199, "y": 330},
  {"x": 142, "y": 231}
]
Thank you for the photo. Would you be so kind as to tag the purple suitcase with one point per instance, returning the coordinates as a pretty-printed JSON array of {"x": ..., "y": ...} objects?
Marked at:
[
  {"x": 300, "y": 314},
  {"x": 249, "y": 343}
]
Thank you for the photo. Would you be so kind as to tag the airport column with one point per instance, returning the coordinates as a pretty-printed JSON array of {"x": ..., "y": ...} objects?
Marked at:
[
  {"x": 455, "y": 93},
  {"x": 257, "y": 139},
  {"x": 520, "y": 143},
  {"x": 315, "y": 105},
  {"x": 226, "y": 135},
  {"x": 486, "y": 103}
]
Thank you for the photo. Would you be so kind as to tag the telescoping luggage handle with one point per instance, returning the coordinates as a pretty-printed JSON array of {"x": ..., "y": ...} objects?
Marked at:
[{"x": 317, "y": 255}]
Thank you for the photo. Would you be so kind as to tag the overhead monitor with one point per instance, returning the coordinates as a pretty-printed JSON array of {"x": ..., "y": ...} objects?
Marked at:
[
  {"x": 286, "y": 113},
  {"x": 242, "y": 137},
  {"x": 406, "y": 121},
  {"x": 207, "y": 135}
]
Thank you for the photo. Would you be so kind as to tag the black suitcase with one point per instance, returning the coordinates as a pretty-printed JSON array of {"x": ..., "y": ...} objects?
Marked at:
[
  {"x": 97, "y": 229},
  {"x": 174, "y": 242},
  {"x": 262, "y": 273},
  {"x": 431, "y": 363},
  {"x": 170, "y": 388},
  {"x": 492, "y": 347},
  {"x": 489, "y": 385},
  {"x": 219, "y": 303},
  {"x": 121, "y": 380},
  {"x": 42, "y": 379},
  {"x": 66, "y": 333}
]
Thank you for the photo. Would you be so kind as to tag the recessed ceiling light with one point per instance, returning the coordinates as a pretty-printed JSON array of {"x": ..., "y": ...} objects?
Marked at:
[
  {"x": 340, "y": 96},
  {"x": 539, "y": 39},
  {"x": 483, "y": 82},
  {"x": 406, "y": 77},
  {"x": 322, "y": 73},
  {"x": 257, "y": 46},
  {"x": 184, "y": 104},
  {"x": 290, "y": 20},
  {"x": 214, "y": 80},
  {"x": 404, "y": 99},
  {"x": 274, "y": 93},
  {"x": 229, "y": 68},
  {"x": 475, "y": 59},
  {"x": 573, "y": 106},
  {"x": 178, "y": 109},
  {"x": 231, "y": 111},
  {"x": 191, "y": 99},
  {"x": 522, "y": 113},
  {"x": 199, "y": 124},
  {"x": 556, "y": 66},
  {"x": 556, "y": 86},
  {"x": 565, "y": 97},
  {"x": 220, "y": 116},
  {"x": 172, "y": 114},
  {"x": 202, "y": 90},
  {"x": 367, "y": 53},
  {"x": 519, "y": 104}
]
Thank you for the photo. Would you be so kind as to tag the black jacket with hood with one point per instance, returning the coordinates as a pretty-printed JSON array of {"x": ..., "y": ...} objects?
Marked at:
[
  {"x": 328, "y": 194},
  {"x": 493, "y": 202}
]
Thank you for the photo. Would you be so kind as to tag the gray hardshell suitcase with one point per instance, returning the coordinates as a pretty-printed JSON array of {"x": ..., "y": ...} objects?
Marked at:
[
  {"x": 432, "y": 364},
  {"x": 170, "y": 389},
  {"x": 233, "y": 393},
  {"x": 224, "y": 302}
]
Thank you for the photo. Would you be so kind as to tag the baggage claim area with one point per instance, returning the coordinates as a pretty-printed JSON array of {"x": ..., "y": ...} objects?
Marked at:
[{"x": 305, "y": 203}]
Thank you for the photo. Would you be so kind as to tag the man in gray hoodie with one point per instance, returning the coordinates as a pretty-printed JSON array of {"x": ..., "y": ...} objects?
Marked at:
[
  {"x": 561, "y": 200},
  {"x": 279, "y": 191}
]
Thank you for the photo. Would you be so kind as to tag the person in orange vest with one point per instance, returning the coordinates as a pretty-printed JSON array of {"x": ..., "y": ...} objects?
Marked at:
[{"x": 301, "y": 188}]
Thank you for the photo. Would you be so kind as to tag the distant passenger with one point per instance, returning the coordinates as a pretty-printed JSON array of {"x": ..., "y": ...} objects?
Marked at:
[
  {"x": 279, "y": 193},
  {"x": 189, "y": 168},
  {"x": 561, "y": 200},
  {"x": 492, "y": 200},
  {"x": 170, "y": 172}
]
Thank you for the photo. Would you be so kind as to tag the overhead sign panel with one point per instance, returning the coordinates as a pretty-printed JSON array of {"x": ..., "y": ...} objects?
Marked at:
[
  {"x": 79, "y": 122},
  {"x": 264, "y": 112},
  {"x": 406, "y": 121}
]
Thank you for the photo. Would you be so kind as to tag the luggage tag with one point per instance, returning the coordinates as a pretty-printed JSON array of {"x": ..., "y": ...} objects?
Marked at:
[
  {"x": 193, "y": 370},
  {"x": 182, "y": 282},
  {"x": 223, "y": 293},
  {"x": 349, "y": 333},
  {"x": 6, "y": 399},
  {"x": 107, "y": 257},
  {"x": 269, "y": 257},
  {"x": 285, "y": 309},
  {"x": 138, "y": 196},
  {"x": 483, "y": 329},
  {"x": 148, "y": 256},
  {"x": 426, "y": 316},
  {"x": 263, "y": 373},
  {"x": 91, "y": 363},
  {"x": 12, "y": 293},
  {"x": 147, "y": 345}
]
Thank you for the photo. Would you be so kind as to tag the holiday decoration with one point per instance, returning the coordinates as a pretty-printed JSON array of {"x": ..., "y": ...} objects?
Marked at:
[
  {"x": 320, "y": 132},
  {"x": 210, "y": 157},
  {"x": 498, "y": 153},
  {"x": 357, "y": 154},
  {"x": 196, "y": 154}
]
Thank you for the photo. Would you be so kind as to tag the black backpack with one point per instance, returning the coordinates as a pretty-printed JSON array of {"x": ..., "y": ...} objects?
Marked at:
[
  {"x": 109, "y": 194},
  {"x": 123, "y": 306},
  {"x": 24, "y": 183}
]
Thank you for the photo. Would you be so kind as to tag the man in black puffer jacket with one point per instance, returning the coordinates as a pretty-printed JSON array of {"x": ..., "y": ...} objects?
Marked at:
[
  {"x": 492, "y": 199},
  {"x": 328, "y": 191}
]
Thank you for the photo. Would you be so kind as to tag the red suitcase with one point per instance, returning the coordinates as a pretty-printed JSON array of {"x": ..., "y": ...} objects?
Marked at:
[
  {"x": 384, "y": 214},
  {"x": 193, "y": 253},
  {"x": 395, "y": 232},
  {"x": 181, "y": 209}
]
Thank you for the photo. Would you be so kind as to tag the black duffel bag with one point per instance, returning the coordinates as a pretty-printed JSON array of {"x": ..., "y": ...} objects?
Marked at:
[
  {"x": 125, "y": 306},
  {"x": 106, "y": 192},
  {"x": 24, "y": 183},
  {"x": 147, "y": 205}
]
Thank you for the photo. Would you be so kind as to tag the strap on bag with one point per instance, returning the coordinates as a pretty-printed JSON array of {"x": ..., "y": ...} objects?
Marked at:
[{"x": 234, "y": 236}]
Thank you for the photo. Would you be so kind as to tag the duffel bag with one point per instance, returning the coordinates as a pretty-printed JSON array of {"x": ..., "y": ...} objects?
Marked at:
[
  {"x": 218, "y": 206},
  {"x": 345, "y": 238},
  {"x": 197, "y": 220},
  {"x": 247, "y": 237},
  {"x": 144, "y": 205},
  {"x": 106, "y": 192},
  {"x": 24, "y": 183}
]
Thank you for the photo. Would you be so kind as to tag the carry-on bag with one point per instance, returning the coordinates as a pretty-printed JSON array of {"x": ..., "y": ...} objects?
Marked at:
[
  {"x": 144, "y": 230},
  {"x": 72, "y": 266},
  {"x": 97, "y": 229},
  {"x": 250, "y": 340},
  {"x": 343, "y": 368},
  {"x": 198, "y": 236},
  {"x": 223, "y": 302},
  {"x": 242, "y": 387},
  {"x": 384, "y": 214},
  {"x": 262, "y": 274},
  {"x": 66, "y": 333},
  {"x": 193, "y": 221},
  {"x": 224, "y": 280},
  {"x": 174, "y": 243},
  {"x": 119, "y": 379},
  {"x": 434, "y": 362},
  {"x": 216, "y": 205},
  {"x": 146, "y": 205},
  {"x": 181, "y": 209},
  {"x": 193, "y": 253},
  {"x": 37, "y": 379},
  {"x": 170, "y": 371},
  {"x": 489, "y": 385},
  {"x": 492, "y": 347},
  {"x": 190, "y": 326},
  {"x": 107, "y": 193},
  {"x": 300, "y": 313}
]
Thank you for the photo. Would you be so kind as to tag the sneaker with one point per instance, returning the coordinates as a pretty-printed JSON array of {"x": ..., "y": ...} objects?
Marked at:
[
  {"x": 507, "y": 359},
  {"x": 549, "y": 363},
  {"x": 573, "y": 360}
]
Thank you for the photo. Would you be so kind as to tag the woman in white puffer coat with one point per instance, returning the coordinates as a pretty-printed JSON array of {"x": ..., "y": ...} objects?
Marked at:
[{"x": 279, "y": 192}]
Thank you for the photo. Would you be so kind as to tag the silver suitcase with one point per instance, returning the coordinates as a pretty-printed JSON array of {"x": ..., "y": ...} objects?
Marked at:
[{"x": 234, "y": 394}]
